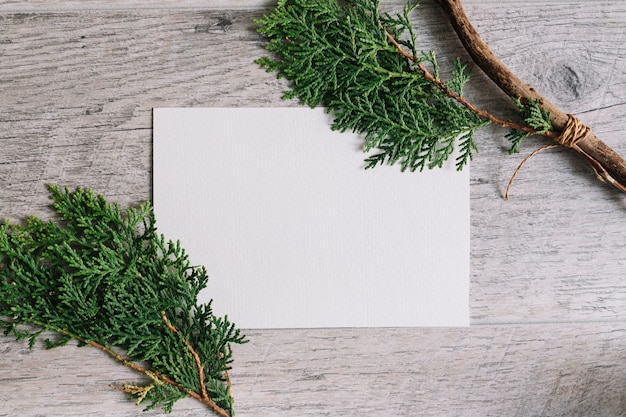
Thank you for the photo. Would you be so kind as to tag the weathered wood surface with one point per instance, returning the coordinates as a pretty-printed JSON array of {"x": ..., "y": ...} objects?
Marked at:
[
  {"x": 78, "y": 81},
  {"x": 548, "y": 370}
]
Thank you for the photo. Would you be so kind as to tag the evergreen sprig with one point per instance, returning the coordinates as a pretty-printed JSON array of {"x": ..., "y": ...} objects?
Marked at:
[
  {"x": 365, "y": 68},
  {"x": 108, "y": 280},
  {"x": 338, "y": 55},
  {"x": 535, "y": 116}
]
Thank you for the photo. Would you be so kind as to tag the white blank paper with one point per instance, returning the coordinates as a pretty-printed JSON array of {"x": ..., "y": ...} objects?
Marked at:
[{"x": 295, "y": 233}]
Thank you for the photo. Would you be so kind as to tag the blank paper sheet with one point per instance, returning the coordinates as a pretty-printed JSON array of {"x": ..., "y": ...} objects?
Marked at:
[{"x": 295, "y": 233}]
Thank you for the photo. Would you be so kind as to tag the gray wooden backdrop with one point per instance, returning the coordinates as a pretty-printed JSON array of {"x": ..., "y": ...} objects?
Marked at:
[{"x": 79, "y": 79}]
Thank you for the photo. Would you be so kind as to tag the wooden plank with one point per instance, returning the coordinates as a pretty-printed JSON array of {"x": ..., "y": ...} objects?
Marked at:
[
  {"x": 77, "y": 87},
  {"x": 43, "y": 6},
  {"x": 554, "y": 250},
  {"x": 80, "y": 90},
  {"x": 554, "y": 370},
  {"x": 13, "y": 6}
]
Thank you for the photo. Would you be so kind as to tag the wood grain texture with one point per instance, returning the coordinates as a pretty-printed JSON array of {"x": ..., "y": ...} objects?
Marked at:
[
  {"x": 46, "y": 5},
  {"x": 548, "y": 298},
  {"x": 38, "y": 6},
  {"x": 548, "y": 370}
]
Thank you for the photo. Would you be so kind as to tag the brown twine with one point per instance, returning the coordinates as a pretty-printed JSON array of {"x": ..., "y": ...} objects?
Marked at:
[{"x": 573, "y": 133}]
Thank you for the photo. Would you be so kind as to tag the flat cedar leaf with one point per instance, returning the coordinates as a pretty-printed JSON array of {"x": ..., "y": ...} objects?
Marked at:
[{"x": 108, "y": 280}]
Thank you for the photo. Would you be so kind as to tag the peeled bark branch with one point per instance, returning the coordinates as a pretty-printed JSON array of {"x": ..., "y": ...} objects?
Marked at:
[{"x": 607, "y": 163}]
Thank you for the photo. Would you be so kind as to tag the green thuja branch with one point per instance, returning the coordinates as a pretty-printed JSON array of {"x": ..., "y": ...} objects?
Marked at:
[
  {"x": 339, "y": 56},
  {"x": 365, "y": 68},
  {"x": 108, "y": 280}
]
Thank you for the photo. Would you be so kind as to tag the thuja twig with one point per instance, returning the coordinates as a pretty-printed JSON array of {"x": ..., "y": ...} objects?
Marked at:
[
  {"x": 108, "y": 280},
  {"x": 607, "y": 164},
  {"x": 118, "y": 357},
  {"x": 337, "y": 55},
  {"x": 202, "y": 397},
  {"x": 568, "y": 140},
  {"x": 459, "y": 98},
  {"x": 203, "y": 392},
  {"x": 193, "y": 353},
  {"x": 363, "y": 66}
]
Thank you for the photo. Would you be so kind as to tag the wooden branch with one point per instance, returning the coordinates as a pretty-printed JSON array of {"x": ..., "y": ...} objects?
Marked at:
[{"x": 607, "y": 163}]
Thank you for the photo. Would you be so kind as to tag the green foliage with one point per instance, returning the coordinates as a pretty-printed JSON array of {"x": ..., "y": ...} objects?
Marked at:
[
  {"x": 534, "y": 115},
  {"x": 337, "y": 54},
  {"x": 109, "y": 280}
]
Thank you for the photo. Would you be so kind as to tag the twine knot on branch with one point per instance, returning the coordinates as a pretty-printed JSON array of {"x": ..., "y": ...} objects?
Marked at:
[{"x": 573, "y": 133}]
